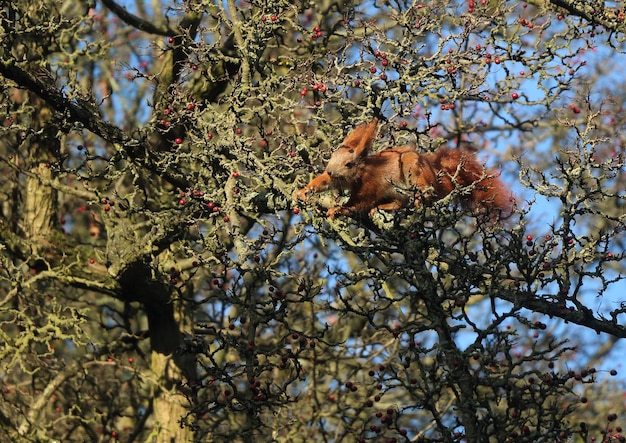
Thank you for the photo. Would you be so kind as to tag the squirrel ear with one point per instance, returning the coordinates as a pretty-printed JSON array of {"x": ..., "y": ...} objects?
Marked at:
[{"x": 360, "y": 138}]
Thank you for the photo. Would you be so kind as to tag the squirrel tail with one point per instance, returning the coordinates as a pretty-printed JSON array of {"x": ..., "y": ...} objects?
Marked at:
[
  {"x": 493, "y": 196},
  {"x": 489, "y": 194}
]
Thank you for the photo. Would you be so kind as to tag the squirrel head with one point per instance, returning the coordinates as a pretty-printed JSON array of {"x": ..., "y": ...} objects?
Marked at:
[{"x": 346, "y": 162}]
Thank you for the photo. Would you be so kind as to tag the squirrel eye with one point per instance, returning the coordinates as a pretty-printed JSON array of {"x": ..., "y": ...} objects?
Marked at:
[{"x": 349, "y": 164}]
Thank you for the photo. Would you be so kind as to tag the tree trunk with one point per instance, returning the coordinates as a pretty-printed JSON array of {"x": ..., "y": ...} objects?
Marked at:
[
  {"x": 170, "y": 405},
  {"x": 172, "y": 369},
  {"x": 39, "y": 199}
]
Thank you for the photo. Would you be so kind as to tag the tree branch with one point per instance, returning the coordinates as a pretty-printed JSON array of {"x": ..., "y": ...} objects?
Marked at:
[
  {"x": 136, "y": 22},
  {"x": 582, "y": 317},
  {"x": 593, "y": 12},
  {"x": 71, "y": 370},
  {"x": 44, "y": 398},
  {"x": 77, "y": 111}
]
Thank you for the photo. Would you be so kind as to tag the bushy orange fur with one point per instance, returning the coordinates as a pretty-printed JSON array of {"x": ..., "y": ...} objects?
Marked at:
[{"x": 390, "y": 179}]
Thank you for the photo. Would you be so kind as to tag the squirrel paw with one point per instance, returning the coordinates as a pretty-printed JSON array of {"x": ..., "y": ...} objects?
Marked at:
[
  {"x": 300, "y": 194},
  {"x": 332, "y": 212}
]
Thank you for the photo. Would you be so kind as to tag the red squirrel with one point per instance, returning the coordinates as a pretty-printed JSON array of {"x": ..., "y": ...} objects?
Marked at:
[{"x": 392, "y": 178}]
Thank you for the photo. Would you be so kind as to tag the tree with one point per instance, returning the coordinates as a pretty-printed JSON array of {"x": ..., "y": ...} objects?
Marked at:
[{"x": 160, "y": 284}]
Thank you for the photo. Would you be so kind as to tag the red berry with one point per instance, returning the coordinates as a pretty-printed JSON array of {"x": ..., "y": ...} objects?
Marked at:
[
  {"x": 515, "y": 96},
  {"x": 178, "y": 140}
]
